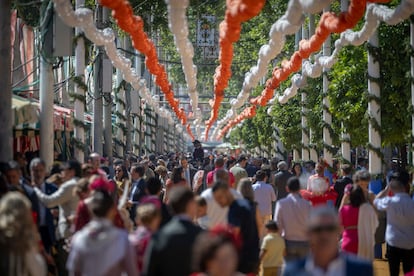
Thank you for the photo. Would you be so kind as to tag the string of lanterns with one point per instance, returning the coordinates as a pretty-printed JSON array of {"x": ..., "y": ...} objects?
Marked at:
[
  {"x": 134, "y": 26},
  {"x": 83, "y": 18},
  {"x": 237, "y": 11}
]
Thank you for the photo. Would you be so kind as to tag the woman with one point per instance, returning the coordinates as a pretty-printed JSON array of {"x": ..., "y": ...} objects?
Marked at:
[
  {"x": 176, "y": 179},
  {"x": 19, "y": 238},
  {"x": 246, "y": 190},
  {"x": 298, "y": 172},
  {"x": 215, "y": 253},
  {"x": 359, "y": 222},
  {"x": 148, "y": 221},
  {"x": 121, "y": 178}
]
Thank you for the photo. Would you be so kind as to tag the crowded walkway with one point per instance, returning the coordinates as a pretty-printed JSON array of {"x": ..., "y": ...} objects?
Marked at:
[{"x": 174, "y": 216}]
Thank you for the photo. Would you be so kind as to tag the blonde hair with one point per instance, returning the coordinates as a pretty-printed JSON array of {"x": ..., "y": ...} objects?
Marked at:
[
  {"x": 17, "y": 229},
  {"x": 146, "y": 213}
]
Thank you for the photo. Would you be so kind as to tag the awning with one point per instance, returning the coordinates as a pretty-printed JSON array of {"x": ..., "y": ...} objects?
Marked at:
[{"x": 25, "y": 112}]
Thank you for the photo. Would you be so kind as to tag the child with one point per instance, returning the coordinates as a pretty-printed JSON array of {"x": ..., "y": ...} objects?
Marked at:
[
  {"x": 272, "y": 251},
  {"x": 202, "y": 218}
]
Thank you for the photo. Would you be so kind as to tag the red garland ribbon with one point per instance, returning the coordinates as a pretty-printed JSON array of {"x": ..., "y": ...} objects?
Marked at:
[
  {"x": 134, "y": 26},
  {"x": 329, "y": 23},
  {"x": 237, "y": 11}
]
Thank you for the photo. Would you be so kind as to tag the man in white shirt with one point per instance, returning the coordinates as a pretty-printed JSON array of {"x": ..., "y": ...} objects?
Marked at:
[
  {"x": 216, "y": 214},
  {"x": 264, "y": 195},
  {"x": 291, "y": 215}
]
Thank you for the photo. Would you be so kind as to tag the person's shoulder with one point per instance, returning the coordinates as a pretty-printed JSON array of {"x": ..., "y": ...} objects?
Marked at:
[{"x": 207, "y": 194}]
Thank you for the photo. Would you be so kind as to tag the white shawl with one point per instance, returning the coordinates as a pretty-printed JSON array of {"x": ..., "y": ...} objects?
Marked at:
[{"x": 367, "y": 225}]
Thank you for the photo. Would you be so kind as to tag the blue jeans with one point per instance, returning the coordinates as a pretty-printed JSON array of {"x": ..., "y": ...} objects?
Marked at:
[{"x": 296, "y": 250}]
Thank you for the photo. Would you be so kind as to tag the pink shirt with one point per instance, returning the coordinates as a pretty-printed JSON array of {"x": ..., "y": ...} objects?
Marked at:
[{"x": 210, "y": 177}]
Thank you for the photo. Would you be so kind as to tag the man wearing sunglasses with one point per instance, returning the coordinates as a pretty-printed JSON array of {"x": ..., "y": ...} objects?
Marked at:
[{"x": 325, "y": 258}]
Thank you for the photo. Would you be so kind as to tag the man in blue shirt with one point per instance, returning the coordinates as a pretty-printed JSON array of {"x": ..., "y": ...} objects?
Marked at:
[{"x": 400, "y": 223}]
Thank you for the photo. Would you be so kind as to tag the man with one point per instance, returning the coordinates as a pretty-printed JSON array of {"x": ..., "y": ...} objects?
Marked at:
[
  {"x": 323, "y": 231},
  {"x": 218, "y": 214},
  {"x": 239, "y": 170},
  {"x": 45, "y": 218},
  {"x": 198, "y": 153},
  {"x": 148, "y": 172},
  {"x": 66, "y": 200},
  {"x": 170, "y": 250},
  {"x": 242, "y": 217},
  {"x": 218, "y": 164},
  {"x": 16, "y": 182},
  {"x": 189, "y": 172},
  {"x": 281, "y": 179},
  {"x": 272, "y": 251},
  {"x": 340, "y": 184},
  {"x": 291, "y": 215},
  {"x": 264, "y": 195},
  {"x": 100, "y": 248},
  {"x": 95, "y": 160},
  {"x": 138, "y": 188},
  {"x": 399, "y": 233}
]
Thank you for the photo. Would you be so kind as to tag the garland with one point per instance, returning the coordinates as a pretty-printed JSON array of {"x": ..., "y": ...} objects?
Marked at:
[
  {"x": 134, "y": 26},
  {"x": 376, "y": 150},
  {"x": 237, "y": 11}
]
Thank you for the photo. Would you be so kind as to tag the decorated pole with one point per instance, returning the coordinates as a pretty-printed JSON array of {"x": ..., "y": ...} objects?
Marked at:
[
  {"x": 79, "y": 105},
  {"x": 6, "y": 132},
  {"x": 312, "y": 151},
  {"x": 137, "y": 120},
  {"x": 345, "y": 138},
  {"x": 304, "y": 111},
  {"x": 412, "y": 83},
  {"x": 374, "y": 108},
  {"x": 97, "y": 101},
  {"x": 46, "y": 106},
  {"x": 327, "y": 116},
  {"x": 120, "y": 114}
]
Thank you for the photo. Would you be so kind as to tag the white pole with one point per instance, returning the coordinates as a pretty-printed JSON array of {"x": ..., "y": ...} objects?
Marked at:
[
  {"x": 345, "y": 137},
  {"x": 312, "y": 151},
  {"x": 304, "y": 119},
  {"x": 374, "y": 109},
  {"x": 46, "y": 112},
  {"x": 6, "y": 129},
  {"x": 327, "y": 117},
  {"x": 79, "y": 104}
]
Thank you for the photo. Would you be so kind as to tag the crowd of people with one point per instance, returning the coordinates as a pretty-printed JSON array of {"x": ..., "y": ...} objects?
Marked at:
[{"x": 186, "y": 215}]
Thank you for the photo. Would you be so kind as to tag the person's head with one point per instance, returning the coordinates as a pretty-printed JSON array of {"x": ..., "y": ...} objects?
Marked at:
[
  {"x": 182, "y": 201},
  {"x": 219, "y": 162},
  {"x": 242, "y": 161},
  {"x": 13, "y": 173},
  {"x": 215, "y": 254},
  {"x": 201, "y": 206},
  {"x": 261, "y": 175},
  {"x": 356, "y": 196},
  {"x": 154, "y": 186},
  {"x": 362, "y": 178},
  {"x": 222, "y": 175},
  {"x": 37, "y": 170},
  {"x": 293, "y": 185},
  {"x": 137, "y": 171},
  {"x": 222, "y": 194},
  {"x": 121, "y": 172},
  {"x": 320, "y": 168},
  {"x": 297, "y": 169},
  {"x": 177, "y": 174},
  {"x": 346, "y": 169},
  {"x": 17, "y": 228},
  {"x": 271, "y": 226},
  {"x": 323, "y": 232},
  {"x": 399, "y": 182},
  {"x": 95, "y": 160},
  {"x": 71, "y": 169},
  {"x": 184, "y": 162},
  {"x": 148, "y": 215},
  {"x": 87, "y": 170},
  {"x": 82, "y": 188},
  {"x": 102, "y": 204},
  {"x": 20, "y": 158},
  {"x": 161, "y": 171},
  {"x": 245, "y": 189},
  {"x": 282, "y": 166}
]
